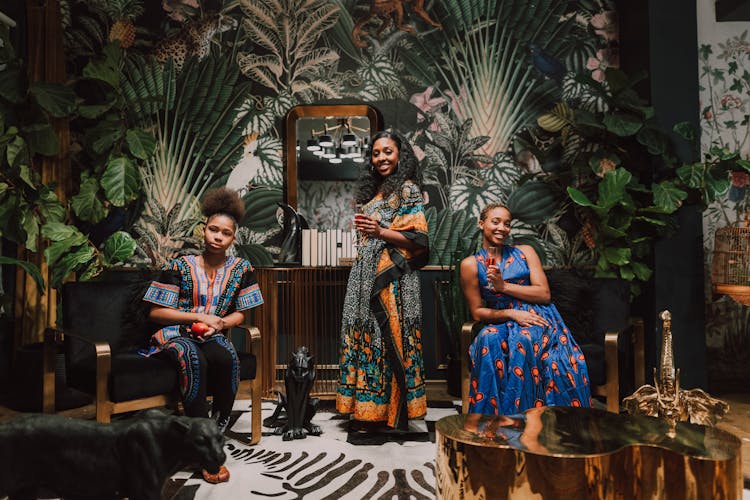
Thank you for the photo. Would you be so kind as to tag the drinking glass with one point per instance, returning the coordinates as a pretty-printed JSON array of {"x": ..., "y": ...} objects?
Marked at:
[
  {"x": 493, "y": 259},
  {"x": 358, "y": 212}
]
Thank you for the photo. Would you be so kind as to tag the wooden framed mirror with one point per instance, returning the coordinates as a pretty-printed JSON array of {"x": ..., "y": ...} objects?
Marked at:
[{"x": 340, "y": 130}]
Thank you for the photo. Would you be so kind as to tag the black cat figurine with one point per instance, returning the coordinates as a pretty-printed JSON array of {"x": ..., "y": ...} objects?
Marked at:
[{"x": 299, "y": 408}]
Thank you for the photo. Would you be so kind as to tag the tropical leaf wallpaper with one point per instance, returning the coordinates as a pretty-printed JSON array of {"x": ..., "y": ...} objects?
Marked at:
[
  {"x": 724, "y": 73},
  {"x": 211, "y": 82}
]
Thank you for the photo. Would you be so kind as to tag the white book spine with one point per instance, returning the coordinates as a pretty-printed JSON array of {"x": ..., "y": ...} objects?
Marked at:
[
  {"x": 331, "y": 247},
  {"x": 305, "y": 247},
  {"x": 324, "y": 257},
  {"x": 314, "y": 247},
  {"x": 337, "y": 246}
]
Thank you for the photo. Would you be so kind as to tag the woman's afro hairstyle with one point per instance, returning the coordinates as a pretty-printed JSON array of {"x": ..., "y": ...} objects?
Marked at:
[{"x": 223, "y": 201}]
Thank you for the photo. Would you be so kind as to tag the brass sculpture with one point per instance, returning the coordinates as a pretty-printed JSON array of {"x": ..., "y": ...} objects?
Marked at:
[{"x": 666, "y": 400}]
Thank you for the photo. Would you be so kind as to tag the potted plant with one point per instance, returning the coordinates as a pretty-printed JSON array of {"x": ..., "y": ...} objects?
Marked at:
[{"x": 617, "y": 167}]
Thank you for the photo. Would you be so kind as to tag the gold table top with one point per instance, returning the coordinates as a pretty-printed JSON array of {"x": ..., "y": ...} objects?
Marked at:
[{"x": 584, "y": 432}]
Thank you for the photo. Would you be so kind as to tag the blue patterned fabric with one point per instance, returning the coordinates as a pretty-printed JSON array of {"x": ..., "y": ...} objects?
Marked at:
[
  {"x": 162, "y": 294},
  {"x": 249, "y": 297},
  {"x": 233, "y": 288},
  {"x": 515, "y": 368}
]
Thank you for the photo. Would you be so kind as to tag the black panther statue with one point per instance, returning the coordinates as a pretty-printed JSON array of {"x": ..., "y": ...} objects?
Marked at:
[
  {"x": 297, "y": 404},
  {"x": 76, "y": 458}
]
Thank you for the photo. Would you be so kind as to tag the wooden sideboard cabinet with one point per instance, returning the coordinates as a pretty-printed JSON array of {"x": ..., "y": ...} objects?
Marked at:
[{"x": 302, "y": 308}]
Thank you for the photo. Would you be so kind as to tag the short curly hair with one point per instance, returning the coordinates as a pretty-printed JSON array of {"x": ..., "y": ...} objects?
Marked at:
[
  {"x": 223, "y": 201},
  {"x": 491, "y": 206},
  {"x": 370, "y": 182}
]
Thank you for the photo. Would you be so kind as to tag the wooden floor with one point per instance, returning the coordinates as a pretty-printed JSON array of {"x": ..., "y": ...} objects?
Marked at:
[{"x": 737, "y": 421}]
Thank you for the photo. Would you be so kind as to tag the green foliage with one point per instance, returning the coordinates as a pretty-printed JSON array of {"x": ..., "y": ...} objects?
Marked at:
[
  {"x": 30, "y": 211},
  {"x": 483, "y": 56},
  {"x": 162, "y": 235},
  {"x": 196, "y": 122},
  {"x": 113, "y": 144},
  {"x": 709, "y": 178},
  {"x": 451, "y": 157},
  {"x": 449, "y": 229},
  {"x": 532, "y": 202},
  {"x": 30, "y": 269},
  {"x": 260, "y": 208},
  {"x": 257, "y": 254},
  {"x": 608, "y": 155},
  {"x": 607, "y": 151},
  {"x": 289, "y": 60}
]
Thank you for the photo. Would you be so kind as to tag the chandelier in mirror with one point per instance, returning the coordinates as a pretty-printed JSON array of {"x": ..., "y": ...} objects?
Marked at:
[
  {"x": 335, "y": 140},
  {"x": 326, "y": 142}
]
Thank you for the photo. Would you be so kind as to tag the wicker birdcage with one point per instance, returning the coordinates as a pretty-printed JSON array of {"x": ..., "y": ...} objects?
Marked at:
[{"x": 730, "y": 268}]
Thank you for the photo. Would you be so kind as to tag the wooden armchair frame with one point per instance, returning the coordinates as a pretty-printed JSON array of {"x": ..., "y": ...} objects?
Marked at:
[
  {"x": 105, "y": 407},
  {"x": 633, "y": 334}
]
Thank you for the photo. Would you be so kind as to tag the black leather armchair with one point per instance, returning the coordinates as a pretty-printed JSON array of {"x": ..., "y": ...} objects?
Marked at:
[
  {"x": 598, "y": 314},
  {"x": 101, "y": 359}
]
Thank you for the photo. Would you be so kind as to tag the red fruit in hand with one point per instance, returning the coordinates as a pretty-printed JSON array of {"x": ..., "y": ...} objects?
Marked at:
[{"x": 199, "y": 329}]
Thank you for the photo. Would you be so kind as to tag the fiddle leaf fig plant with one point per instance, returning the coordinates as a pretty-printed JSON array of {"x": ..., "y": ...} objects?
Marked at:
[
  {"x": 608, "y": 139},
  {"x": 111, "y": 144},
  {"x": 30, "y": 210},
  {"x": 617, "y": 167}
]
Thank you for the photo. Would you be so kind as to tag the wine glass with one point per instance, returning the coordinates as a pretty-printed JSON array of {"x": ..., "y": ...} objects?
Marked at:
[
  {"x": 493, "y": 259},
  {"x": 358, "y": 212}
]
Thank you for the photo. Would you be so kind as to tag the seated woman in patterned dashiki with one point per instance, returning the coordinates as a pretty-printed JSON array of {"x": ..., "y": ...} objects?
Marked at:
[
  {"x": 381, "y": 364},
  {"x": 525, "y": 357},
  {"x": 212, "y": 288}
]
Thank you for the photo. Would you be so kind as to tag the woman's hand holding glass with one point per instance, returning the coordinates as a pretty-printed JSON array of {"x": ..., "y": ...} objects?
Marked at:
[
  {"x": 367, "y": 226},
  {"x": 494, "y": 275}
]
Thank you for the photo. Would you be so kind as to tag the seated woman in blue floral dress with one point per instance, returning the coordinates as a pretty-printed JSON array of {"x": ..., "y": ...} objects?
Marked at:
[
  {"x": 525, "y": 356},
  {"x": 213, "y": 289}
]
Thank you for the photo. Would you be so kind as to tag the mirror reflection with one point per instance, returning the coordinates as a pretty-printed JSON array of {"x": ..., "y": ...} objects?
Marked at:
[
  {"x": 326, "y": 150},
  {"x": 331, "y": 148}
]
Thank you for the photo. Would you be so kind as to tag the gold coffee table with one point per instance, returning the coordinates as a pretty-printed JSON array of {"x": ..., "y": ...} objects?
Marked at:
[{"x": 573, "y": 453}]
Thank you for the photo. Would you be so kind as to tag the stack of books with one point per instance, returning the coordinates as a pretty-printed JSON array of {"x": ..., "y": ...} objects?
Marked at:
[{"x": 329, "y": 247}]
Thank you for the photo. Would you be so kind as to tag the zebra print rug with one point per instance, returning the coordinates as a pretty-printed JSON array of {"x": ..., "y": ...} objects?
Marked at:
[{"x": 337, "y": 464}]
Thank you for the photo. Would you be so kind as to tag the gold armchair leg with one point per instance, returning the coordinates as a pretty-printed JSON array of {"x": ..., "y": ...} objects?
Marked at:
[
  {"x": 104, "y": 406},
  {"x": 467, "y": 337},
  {"x": 255, "y": 390},
  {"x": 253, "y": 345},
  {"x": 611, "y": 363}
]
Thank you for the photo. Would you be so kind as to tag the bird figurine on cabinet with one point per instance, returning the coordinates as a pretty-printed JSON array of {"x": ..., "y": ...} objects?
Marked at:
[{"x": 292, "y": 225}]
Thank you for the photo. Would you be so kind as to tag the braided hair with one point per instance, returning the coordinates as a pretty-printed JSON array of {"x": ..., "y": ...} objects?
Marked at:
[{"x": 370, "y": 182}]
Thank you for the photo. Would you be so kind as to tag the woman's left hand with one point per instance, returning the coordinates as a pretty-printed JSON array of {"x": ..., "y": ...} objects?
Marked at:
[{"x": 368, "y": 226}]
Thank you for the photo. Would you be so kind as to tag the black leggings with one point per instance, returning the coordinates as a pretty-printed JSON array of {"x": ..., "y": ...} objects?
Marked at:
[{"x": 209, "y": 367}]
